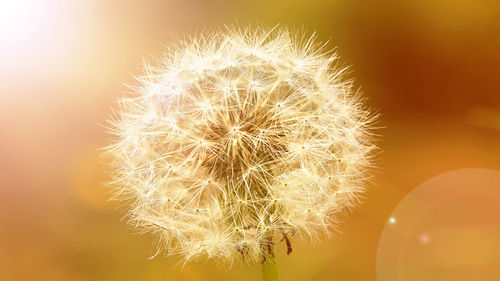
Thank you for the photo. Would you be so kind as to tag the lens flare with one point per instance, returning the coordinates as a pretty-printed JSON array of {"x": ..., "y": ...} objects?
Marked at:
[{"x": 447, "y": 230}]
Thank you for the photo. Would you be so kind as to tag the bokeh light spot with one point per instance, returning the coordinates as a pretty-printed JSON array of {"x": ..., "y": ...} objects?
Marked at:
[
  {"x": 448, "y": 228},
  {"x": 392, "y": 220}
]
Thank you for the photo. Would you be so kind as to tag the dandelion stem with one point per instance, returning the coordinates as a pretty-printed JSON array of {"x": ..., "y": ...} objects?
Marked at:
[{"x": 269, "y": 269}]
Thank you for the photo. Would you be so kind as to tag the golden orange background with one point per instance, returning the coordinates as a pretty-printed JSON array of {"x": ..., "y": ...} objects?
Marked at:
[{"x": 431, "y": 68}]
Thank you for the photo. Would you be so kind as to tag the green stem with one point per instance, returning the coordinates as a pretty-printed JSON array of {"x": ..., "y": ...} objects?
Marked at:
[{"x": 270, "y": 270}]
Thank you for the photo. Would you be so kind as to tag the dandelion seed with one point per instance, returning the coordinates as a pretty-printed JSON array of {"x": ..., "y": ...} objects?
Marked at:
[{"x": 239, "y": 140}]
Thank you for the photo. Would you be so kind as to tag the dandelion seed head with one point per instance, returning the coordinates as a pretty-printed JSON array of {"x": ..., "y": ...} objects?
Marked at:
[{"x": 237, "y": 139}]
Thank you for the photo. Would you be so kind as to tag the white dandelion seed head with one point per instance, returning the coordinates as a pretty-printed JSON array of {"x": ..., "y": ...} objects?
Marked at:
[{"x": 237, "y": 139}]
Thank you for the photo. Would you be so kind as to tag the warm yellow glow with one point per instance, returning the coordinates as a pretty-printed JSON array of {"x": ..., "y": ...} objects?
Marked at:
[
  {"x": 34, "y": 33},
  {"x": 25, "y": 22}
]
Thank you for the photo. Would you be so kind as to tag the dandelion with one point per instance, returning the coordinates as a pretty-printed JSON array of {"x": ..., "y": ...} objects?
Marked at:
[{"x": 238, "y": 141}]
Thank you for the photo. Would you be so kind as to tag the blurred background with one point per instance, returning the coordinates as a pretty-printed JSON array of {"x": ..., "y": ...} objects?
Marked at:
[{"x": 431, "y": 68}]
